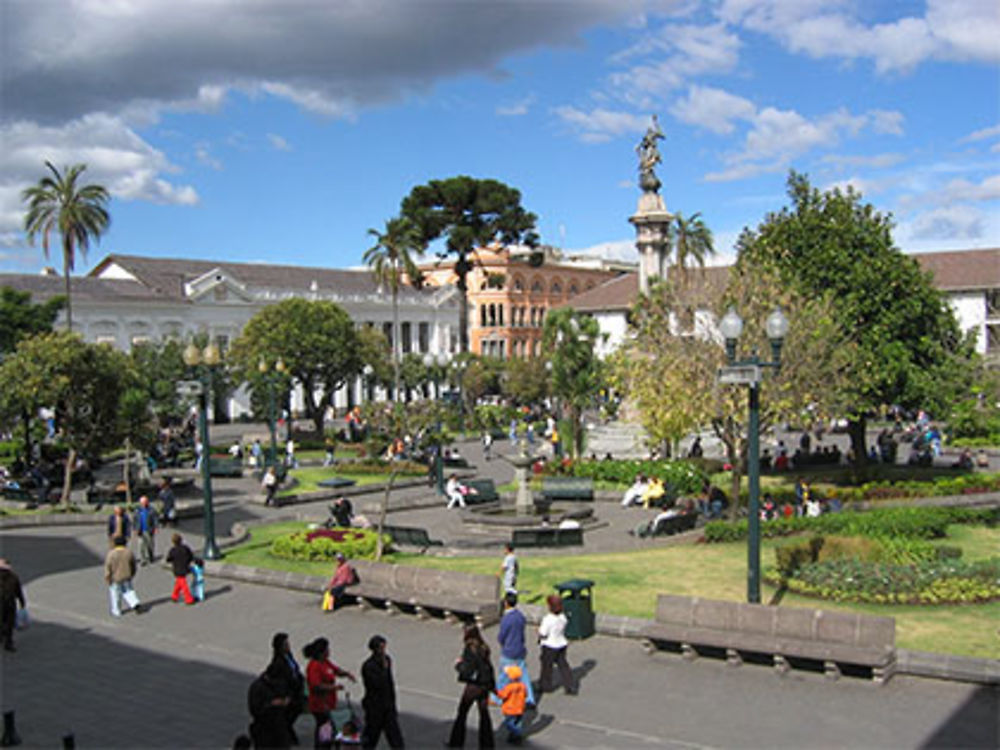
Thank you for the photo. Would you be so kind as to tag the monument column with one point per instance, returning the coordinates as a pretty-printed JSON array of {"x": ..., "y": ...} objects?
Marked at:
[{"x": 651, "y": 220}]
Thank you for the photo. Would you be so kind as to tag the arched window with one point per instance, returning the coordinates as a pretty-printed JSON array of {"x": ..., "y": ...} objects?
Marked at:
[
  {"x": 556, "y": 288},
  {"x": 482, "y": 316},
  {"x": 537, "y": 286},
  {"x": 518, "y": 284},
  {"x": 500, "y": 315},
  {"x": 573, "y": 289},
  {"x": 493, "y": 315}
]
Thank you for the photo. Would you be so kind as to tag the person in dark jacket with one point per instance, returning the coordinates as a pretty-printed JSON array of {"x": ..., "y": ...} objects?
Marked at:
[
  {"x": 476, "y": 671},
  {"x": 180, "y": 558},
  {"x": 268, "y": 706},
  {"x": 289, "y": 678},
  {"x": 10, "y": 594},
  {"x": 379, "y": 702}
]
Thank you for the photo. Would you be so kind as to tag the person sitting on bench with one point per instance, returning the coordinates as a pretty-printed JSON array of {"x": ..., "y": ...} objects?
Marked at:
[
  {"x": 456, "y": 492},
  {"x": 654, "y": 492},
  {"x": 633, "y": 495},
  {"x": 651, "y": 527}
]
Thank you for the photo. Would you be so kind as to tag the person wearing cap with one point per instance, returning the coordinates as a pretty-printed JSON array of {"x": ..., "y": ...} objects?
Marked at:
[
  {"x": 343, "y": 577},
  {"x": 513, "y": 697},
  {"x": 512, "y": 648},
  {"x": 379, "y": 702}
]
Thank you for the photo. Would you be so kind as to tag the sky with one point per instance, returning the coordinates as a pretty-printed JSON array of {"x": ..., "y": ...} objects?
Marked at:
[{"x": 281, "y": 131}]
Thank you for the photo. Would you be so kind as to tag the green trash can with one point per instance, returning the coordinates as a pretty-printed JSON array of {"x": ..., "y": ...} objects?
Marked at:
[{"x": 577, "y": 604}]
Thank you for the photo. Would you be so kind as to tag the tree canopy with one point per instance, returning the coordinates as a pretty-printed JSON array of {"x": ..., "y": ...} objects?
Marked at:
[
  {"x": 317, "y": 342},
  {"x": 468, "y": 213},
  {"x": 907, "y": 348},
  {"x": 20, "y": 318}
]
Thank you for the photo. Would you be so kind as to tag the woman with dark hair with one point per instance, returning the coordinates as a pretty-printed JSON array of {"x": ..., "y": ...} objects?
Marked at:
[
  {"x": 476, "y": 671},
  {"x": 289, "y": 679},
  {"x": 321, "y": 676},
  {"x": 552, "y": 637}
]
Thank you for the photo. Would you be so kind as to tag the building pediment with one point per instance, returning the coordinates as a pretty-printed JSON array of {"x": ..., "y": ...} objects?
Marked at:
[{"x": 217, "y": 286}]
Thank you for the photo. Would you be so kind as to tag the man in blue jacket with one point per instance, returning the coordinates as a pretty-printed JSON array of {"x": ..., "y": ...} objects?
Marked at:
[{"x": 512, "y": 648}]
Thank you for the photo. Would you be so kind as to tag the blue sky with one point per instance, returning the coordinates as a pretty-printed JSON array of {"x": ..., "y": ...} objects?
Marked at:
[{"x": 282, "y": 131}]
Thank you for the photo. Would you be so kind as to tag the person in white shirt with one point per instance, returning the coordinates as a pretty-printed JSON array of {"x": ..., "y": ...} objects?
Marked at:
[
  {"x": 552, "y": 638},
  {"x": 456, "y": 492},
  {"x": 633, "y": 495}
]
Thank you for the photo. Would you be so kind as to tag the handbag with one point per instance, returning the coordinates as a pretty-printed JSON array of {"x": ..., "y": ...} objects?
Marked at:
[
  {"x": 327, "y": 605},
  {"x": 468, "y": 669},
  {"x": 22, "y": 619}
]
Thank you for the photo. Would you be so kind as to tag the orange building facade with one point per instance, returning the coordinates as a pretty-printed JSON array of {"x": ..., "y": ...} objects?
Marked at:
[{"x": 509, "y": 295}]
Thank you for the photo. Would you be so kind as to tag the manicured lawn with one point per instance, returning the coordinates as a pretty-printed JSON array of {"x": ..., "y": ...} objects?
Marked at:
[
  {"x": 309, "y": 477},
  {"x": 627, "y": 583}
]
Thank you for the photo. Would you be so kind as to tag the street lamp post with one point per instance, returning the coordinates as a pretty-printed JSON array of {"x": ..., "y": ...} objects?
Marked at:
[
  {"x": 271, "y": 374},
  {"x": 210, "y": 357},
  {"x": 748, "y": 372},
  {"x": 442, "y": 361},
  {"x": 460, "y": 366},
  {"x": 366, "y": 374}
]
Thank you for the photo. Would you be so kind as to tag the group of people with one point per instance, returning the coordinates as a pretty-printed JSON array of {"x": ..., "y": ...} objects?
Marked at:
[{"x": 645, "y": 491}]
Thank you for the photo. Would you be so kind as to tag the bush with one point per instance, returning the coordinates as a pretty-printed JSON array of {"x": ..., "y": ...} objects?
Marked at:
[
  {"x": 849, "y": 548},
  {"x": 936, "y": 582},
  {"x": 324, "y": 544},
  {"x": 791, "y": 557},
  {"x": 682, "y": 477}
]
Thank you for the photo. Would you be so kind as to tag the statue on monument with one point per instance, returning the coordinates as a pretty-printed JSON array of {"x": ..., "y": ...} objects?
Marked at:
[{"x": 649, "y": 157}]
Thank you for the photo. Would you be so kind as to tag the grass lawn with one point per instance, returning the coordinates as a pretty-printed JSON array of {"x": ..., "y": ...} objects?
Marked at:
[
  {"x": 627, "y": 583},
  {"x": 309, "y": 477}
]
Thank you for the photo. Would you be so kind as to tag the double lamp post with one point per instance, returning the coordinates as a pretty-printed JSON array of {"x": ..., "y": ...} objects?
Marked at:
[
  {"x": 748, "y": 372},
  {"x": 210, "y": 358}
]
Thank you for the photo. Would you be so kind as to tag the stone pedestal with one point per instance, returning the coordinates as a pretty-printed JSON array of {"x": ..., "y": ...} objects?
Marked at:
[
  {"x": 524, "y": 503},
  {"x": 652, "y": 224}
]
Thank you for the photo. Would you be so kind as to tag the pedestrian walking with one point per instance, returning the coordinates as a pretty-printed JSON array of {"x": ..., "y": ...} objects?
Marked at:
[
  {"x": 119, "y": 570},
  {"x": 180, "y": 558},
  {"x": 321, "y": 676},
  {"x": 487, "y": 445},
  {"x": 198, "y": 579},
  {"x": 269, "y": 484},
  {"x": 289, "y": 680},
  {"x": 144, "y": 523},
  {"x": 268, "y": 704},
  {"x": 119, "y": 526},
  {"x": 11, "y": 594},
  {"x": 379, "y": 702},
  {"x": 513, "y": 703},
  {"x": 167, "y": 503},
  {"x": 552, "y": 637},
  {"x": 509, "y": 569},
  {"x": 290, "y": 454},
  {"x": 513, "y": 651},
  {"x": 476, "y": 671}
]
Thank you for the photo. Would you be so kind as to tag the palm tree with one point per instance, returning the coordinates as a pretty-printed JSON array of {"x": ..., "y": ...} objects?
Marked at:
[
  {"x": 57, "y": 204},
  {"x": 390, "y": 259},
  {"x": 692, "y": 241}
]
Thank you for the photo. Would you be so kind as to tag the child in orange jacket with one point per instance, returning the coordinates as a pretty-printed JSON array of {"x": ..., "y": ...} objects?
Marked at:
[{"x": 514, "y": 696}]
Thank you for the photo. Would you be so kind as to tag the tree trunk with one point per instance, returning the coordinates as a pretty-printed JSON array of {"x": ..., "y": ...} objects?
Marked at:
[
  {"x": 461, "y": 269},
  {"x": 383, "y": 511},
  {"x": 856, "y": 429},
  {"x": 396, "y": 343},
  {"x": 26, "y": 418},
  {"x": 67, "y": 257},
  {"x": 126, "y": 471},
  {"x": 68, "y": 477}
]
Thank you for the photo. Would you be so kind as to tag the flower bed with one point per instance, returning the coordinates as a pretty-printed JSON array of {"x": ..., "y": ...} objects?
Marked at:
[
  {"x": 930, "y": 582},
  {"x": 324, "y": 544}
]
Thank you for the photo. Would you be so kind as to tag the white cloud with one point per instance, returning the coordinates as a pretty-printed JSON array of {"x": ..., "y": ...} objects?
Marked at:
[
  {"x": 601, "y": 125},
  {"x": 983, "y": 134},
  {"x": 278, "y": 142},
  {"x": 203, "y": 154},
  {"x": 516, "y": 109},
  {"x": 877, "y": 161},
  {"x": 712, "y": 109},
  {"x": 613, "y": 250},
  {"x": 960, "y": 222},
  {"x": 115, "y": 155}
]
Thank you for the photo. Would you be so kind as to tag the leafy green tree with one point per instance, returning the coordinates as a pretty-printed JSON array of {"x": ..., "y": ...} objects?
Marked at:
[
  {"x": 375, "y": 353},
  {"x": 907, "y": 346},
  {"x": 19, "y": 318},
  {"x": 76, "y": 213},
  {"x": 525, "y": 380},
  {"x": 577, "y": 374},
  {"x": 84, "y": 382},
  {"x": 159, "y": 367},
  {"x": 317, "y": 342},
  {"x": 391, "y": 262},
  {"x": 469, "y": 213},
  {"x": 414, "y": 375}
]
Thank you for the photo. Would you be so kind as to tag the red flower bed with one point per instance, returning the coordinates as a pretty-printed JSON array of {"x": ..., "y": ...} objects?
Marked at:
[{"x": 336, "y": 535}]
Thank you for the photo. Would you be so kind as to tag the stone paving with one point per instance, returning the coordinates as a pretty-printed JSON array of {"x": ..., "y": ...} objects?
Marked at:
[{"x": 177, "y": 676}]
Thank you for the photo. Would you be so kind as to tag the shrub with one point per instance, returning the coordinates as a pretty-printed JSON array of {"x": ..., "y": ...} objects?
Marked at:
[
  {"x": 682, "y": 477},
  {"x": 849, "y": 548},
  {"x": 790, "y": 557},
  {"x": 324, "y": 544}
]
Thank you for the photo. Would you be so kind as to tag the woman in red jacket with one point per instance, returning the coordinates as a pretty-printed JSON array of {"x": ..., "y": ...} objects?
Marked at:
[{"x": 321, "y": 676}]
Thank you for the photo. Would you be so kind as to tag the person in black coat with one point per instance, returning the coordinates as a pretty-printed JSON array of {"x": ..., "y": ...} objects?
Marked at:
[
  {"x": 476, "y": 671},
  {"x": 379, "y": 702},
  {"x": 268, "y": 706},
  {"x": 289, "y": 680}
]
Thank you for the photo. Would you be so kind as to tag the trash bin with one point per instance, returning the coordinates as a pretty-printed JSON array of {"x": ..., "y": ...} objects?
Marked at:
[{"x": 577, "y": 604}]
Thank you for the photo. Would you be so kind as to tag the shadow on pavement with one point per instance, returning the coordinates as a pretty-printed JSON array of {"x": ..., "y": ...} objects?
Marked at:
[
  {"x": 35, "y": 557},
  {"x": 975, "y": 724}
]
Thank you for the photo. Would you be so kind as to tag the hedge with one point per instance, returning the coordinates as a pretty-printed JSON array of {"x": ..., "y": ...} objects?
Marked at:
[
  {"x": 684, "y": 477},
  {"x": 919, "y": 523},
  {"x": 324, "y": 544}
]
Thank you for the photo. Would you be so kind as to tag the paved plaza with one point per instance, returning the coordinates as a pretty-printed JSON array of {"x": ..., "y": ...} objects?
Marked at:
[{"x": 177, "y": 676}]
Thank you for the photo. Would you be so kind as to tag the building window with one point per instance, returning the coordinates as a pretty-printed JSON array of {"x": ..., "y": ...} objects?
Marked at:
[
  {"x": 500, "y": 315},
  {"x": 387, "y": 332},
  {"x": 993, "y": 303},
  {"x": 573, "y": 289},
  {"x": 424, "y": 336},
  {"x": 518, "y": 284},
  {"x": 406, "y": 334},
  {"x": 537, "y": 286},
  {"x": 556, "y": 288}
]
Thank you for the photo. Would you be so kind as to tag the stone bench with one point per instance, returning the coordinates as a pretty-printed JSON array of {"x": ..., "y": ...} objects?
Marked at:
[
  {"x": 427, "y": 591},
  {"x": 225, "y": 467},
  {"x": 411, "y": 536},
  {"x": 567, "y": 488},
  {"x": 835, "y": 639},
  {"x": 547, "y": 537}
]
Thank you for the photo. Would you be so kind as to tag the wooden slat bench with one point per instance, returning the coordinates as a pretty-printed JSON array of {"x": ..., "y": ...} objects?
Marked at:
[
  {"x": 567, "y": 488},
  {"x": 547, "y": 537},
  {"x": 485, "y": 492},
  {"x": 225, "y": 467},
  {"x": 18, "y": 493},
  {"x": 425, "y": 590},
  {"x": 411, "y": 536},
  {"x": 782, "y": 633}
]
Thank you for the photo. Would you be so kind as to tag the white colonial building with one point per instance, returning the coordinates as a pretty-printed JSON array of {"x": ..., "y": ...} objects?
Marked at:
[{"x": 126, "y": 300}]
